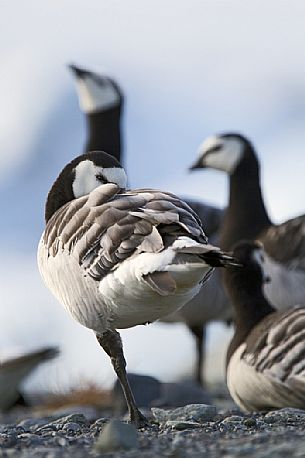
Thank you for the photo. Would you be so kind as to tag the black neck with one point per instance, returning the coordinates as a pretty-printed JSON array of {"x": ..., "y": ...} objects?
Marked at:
[
  {"x": 103, "y": 132},
  {"x": 250, "y": 305},
  {"x": 246, "y": 216},
  {"x": 59, "y": 195}
]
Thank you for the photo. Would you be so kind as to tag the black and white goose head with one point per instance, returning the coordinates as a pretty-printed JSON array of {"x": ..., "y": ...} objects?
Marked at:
[
  {"x": 83, "y": 175},
  {"x": 96, "y": 92},
  {"x": 226, "y": 152},
  {"x": 251, "y": 278}
]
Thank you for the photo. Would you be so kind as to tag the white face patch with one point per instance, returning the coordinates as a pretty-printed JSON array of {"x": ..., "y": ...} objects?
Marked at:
[
  {"x": 227, "y": 155},
  {"x": 86, "y": 173},
  {"x": 259, "y": 256},
  {"x": 96, "y": 96}
]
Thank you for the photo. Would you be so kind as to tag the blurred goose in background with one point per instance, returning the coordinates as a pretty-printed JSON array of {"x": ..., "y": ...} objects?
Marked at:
[
  {"x": 266, "y": 357},
  {"x": 103, "y": 133},
  {"x": 246, "y": 218},
  {"x": 13, "y": 372},
  {"x": 117, "y": 258},
  {"x": 101, "y": 99}
]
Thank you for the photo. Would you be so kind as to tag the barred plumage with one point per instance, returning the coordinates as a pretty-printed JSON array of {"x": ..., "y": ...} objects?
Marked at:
[{"x": 266, "y": 358}]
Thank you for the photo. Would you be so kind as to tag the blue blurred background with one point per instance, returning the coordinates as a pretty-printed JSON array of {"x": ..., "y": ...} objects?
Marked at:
[{"x": 188, "y": 68}]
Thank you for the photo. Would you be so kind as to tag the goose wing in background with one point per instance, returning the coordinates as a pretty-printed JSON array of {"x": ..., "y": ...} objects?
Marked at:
[
  {"x": 14, "y": 370},
  {"x": 285, "y": 243}
]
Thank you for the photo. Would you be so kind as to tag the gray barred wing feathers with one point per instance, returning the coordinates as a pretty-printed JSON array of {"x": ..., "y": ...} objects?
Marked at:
[
  {"x": 106, "y": 227},
  {"x": 290, "y": 236}
]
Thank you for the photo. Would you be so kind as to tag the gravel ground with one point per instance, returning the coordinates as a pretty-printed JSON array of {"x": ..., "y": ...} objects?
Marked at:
[{"x": 193, "y": 431}]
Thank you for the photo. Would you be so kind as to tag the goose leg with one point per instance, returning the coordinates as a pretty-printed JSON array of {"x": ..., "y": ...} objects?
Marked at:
[
  {"x": 111, "y": 342},
  {"x": 199, "y": 333}
]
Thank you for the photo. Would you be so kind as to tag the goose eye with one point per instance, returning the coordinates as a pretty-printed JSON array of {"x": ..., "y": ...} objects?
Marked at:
[{"x": 100, "y": 178}]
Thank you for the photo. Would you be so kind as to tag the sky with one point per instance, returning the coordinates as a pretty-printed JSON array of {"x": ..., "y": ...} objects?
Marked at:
[{"x": 188, "y": 69}]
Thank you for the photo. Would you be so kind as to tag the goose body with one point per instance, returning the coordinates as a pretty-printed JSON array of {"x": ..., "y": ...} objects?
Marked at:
[
  {"x": 266, "y": 358},
  {"x": 117, "y": 258},
  {"x": 107, "y": 288},
  {"x": 103, "y": 133},
  {"x": 246, "y": 218}
]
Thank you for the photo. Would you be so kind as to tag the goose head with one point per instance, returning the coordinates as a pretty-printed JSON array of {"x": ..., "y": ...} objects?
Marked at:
[
  {"x": 96, "y": 92},
  {"x": 223, "y": 152},
  {"x": 81, "y": 176}
]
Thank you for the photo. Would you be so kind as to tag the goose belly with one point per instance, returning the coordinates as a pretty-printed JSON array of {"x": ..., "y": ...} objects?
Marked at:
[
  {"x": 122, "y": 298},
  {"x": 76, "y": 291},
  {"x": 249, "y": 389},
  {"x": 253, "y": 390}
]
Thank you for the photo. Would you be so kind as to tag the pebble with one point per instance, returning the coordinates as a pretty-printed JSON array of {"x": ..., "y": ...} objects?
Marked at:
[
  {"x": 116, "y": 436},
  {"x": 193, "y": 412},
  {"x": 231, "y": 434},
  {"x": 8, "y": 440},
  {"x": 61, "y": 423},
  {"x": 28, "y": 423},
  {"x": 180, "y": 425},
  {"x": 288, "y": 414},
  {"x": 250, "y": 422},
  {"x": 72, "y": 427},
  {"x": 233, "y": 419}
]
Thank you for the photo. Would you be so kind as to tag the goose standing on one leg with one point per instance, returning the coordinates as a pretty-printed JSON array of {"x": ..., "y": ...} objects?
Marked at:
[
  {"x": 103, "y": 133},
  {"x": 266, "y": 357},
  {"x": 246, "y": 218},
  {"x": 116, "y": 258}
]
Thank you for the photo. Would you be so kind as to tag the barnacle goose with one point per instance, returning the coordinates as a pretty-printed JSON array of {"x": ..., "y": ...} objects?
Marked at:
[
  {"x": 117, "y": 258},
  {"x": 266, "y": 357},
  {"x": 246, "y": 218},
  {"x": 103, "y": 133}
]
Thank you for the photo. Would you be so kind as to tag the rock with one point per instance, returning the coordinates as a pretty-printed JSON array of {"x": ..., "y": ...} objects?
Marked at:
[
  {"x": 60, "y": 423},
  {"x": 115, "y": 436},
  {"x": 72, "y": 427},
  {"x": 8, "y": 440},
  {"x": 181, "y": 394},
  {"x": 250, "y": 422},
  {"x": 194, "y": 412},
  {"x": 32, "y": 423},
  {"x": 89, "y": 412},
  {"x": 181, "y": 425},
  {"x": 145, "y": 390},
  {"x": 233, "y": 419},
  {"x": 74, "y": 418},
  {"x": 288, "y": 414}
]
